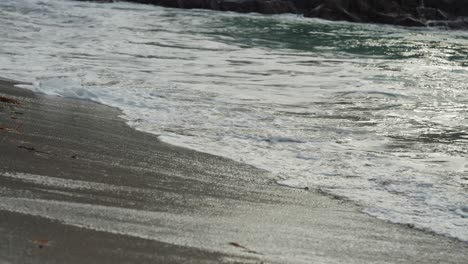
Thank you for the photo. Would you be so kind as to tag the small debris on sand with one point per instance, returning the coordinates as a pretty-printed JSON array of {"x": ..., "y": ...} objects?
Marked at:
[
  {"x": 9, "y": 129},
  {"x": 234, "y": 244},
  {"x": 32, "y": 149},
  {"x": 9, "y": 100},
  {"x": 41, "y": 243}
]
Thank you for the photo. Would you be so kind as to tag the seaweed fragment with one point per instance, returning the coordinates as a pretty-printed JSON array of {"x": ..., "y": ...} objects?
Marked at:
[
  {"x": 32, "y": 149},
  {"x": 8, "y": 129},
  {"x": 41, "y": 243},
  {"x": 11, "y": 129},
  {"x": 9, "y": 100},
  {"x": 234, "y": 244}
]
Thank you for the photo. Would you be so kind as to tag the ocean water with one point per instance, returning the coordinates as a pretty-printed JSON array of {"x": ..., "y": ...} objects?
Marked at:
[{"x": 374, "y": 114}]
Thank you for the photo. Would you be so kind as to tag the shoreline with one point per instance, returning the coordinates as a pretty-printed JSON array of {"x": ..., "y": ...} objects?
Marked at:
[
  {"x": 92, "y": 170},
  {"x": 341, "y": 199}
]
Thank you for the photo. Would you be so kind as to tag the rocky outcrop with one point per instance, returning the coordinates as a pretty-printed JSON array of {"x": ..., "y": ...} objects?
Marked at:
[
  {"x": 397, "y": 12},
  {"x": 446, "y": 13}
]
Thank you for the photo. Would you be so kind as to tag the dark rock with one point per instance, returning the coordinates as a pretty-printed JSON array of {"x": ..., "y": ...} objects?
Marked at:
[
  {"x": 241, "y": 6},
  {"x": 430, "y": 13},
  {"x": 440, "y": 13},
  {"x": 454, "y": 7},
  {"x": 276, "y": 7},
  {"x": 396, "y": 12},
  {"x": 167, "y": 3},
  {"x": 461, "y": 23}
]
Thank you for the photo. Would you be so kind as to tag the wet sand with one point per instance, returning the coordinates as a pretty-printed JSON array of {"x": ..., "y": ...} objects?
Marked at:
[{"x": 78, "y": 185}]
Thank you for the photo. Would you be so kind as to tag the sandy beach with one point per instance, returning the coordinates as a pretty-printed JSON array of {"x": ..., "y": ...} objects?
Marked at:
[{"x": 78, "y": 185}]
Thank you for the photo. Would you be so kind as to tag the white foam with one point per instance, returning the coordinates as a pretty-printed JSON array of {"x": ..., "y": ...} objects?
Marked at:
[{"x": 65, "y": 87}]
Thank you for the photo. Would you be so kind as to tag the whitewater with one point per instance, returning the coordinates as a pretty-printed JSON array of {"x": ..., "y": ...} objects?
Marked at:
[{"x": 374, "y": 114}]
